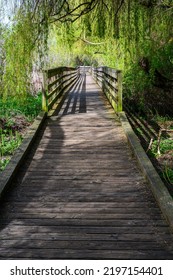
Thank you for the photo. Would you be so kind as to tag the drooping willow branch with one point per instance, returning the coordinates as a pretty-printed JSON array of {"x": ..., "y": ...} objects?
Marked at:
[
  {"x": 91, "y": 43},
  {"x": 120, "y": 6},
  {"x": 73, "y": 15}
]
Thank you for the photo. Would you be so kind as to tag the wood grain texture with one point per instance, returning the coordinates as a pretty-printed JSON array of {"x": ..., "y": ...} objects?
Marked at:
[{"x": 79, "y": 194}]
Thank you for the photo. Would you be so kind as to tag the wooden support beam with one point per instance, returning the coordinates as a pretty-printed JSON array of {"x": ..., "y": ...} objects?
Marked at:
[
  {"x": 119, "y": 77},
  {"x": 45, "y": 90}
]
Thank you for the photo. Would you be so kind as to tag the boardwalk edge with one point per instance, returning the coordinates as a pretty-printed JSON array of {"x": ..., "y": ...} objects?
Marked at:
[
  {"x": 157, "y": 186},
  {"x": 17, "y": 159}
]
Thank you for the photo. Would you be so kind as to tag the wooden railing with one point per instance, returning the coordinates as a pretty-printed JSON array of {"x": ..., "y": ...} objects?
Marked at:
[
  {"x": 56, "y": 82},
  {"x": 110, "y": 81}
]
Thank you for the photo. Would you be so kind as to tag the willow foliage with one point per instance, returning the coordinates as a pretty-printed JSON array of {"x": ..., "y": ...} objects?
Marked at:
[
  {"x": 18, "y": 63},
  {"x": 118, "y": 33}
]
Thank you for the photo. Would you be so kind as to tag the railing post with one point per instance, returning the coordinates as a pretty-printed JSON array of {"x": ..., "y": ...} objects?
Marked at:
[
  {"x": 62, "y": 79},
  {"x": 113, "y": 96},
  {"x": 119, "y": 81},
  {"x": 103, "y": 78},
  {"x": 45, "y": 90},
  {"x": 94, "y": 73}
]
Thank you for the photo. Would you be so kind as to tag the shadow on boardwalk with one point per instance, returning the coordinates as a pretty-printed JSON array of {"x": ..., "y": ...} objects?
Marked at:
[
  {"x": 79, "y": 194},
  {"x": 75, "y": 102}
]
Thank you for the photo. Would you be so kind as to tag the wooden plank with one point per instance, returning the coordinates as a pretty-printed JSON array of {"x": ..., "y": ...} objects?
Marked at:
[
  {"x": 75, "y": 187},
  {"x": 76, "y": 194},
  {"x": 84, "y": 244},
  {"x": 21, "y": 208},
  {"x": 83, "y": 174},
  {"x": 30, "y": 228},
  {"x": 91, "y": 206},
  {"x": 81, "y": 217},
  {"x": 83, "y": 254},
  {"x": 54, "y": 233}
]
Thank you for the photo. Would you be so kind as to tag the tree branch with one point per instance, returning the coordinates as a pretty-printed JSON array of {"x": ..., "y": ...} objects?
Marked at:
[
  {"x": 121, "y": 4},
  {"x": 91, "y": 43},
  {"x": 89, "y": 7},
  {"x": 35, "y": 8}
]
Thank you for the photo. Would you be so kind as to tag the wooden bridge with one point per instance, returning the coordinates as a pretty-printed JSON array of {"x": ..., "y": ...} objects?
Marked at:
[{"x": 79, "y": 193}]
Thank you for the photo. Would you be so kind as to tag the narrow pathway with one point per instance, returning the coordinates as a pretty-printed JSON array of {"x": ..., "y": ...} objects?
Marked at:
[{"x": 79, "y": 194}]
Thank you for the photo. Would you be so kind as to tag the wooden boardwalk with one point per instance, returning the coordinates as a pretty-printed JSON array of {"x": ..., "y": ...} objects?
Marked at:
[{"x": 79, "y": 194}]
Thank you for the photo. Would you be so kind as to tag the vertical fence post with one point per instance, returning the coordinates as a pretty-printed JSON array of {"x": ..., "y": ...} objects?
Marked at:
[
  {"x": 119, "y": 78},
  {"x": 61, "y": 76},
  {"x": 45, "y": 91},
  {"x": 103, "y": 78},
  {"x": 113, "y": 97},
  {"x": 94, "y": 73}
]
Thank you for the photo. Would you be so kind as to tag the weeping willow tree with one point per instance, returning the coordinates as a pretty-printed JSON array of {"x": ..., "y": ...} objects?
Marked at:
[
  {"x": 138, "y": 39},
  {"x": 132, "y": 35},
  {"x": 27, "y": 36}
]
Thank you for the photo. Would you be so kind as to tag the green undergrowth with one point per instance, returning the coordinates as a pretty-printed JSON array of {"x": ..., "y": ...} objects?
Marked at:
[
  {"x": 15, "y": 117},
  {"x": 156, "y": 136},
  {"x": 163, "y": 151},
  {"x": 165, "y": 146},
  {"x": 164, "y": 156}
]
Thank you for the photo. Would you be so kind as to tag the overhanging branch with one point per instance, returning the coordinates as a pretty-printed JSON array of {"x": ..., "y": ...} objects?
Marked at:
[
  {"x": 91, "y": 43},
  {"x": 73, "y": 15}
]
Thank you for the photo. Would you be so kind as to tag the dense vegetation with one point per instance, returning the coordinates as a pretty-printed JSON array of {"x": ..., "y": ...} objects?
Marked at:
[
  {"x": 132, "y": 35},
  {"x": 15, "y": 117},
  {"x": 135, "y": 36}
]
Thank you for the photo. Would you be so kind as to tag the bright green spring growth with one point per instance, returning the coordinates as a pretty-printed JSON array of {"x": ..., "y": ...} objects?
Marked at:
[
  {"x": 8, "y": 144},
  {"x": 168, "y": 174},
  {"x": 165, "y": 145},
  {"x": 166, "y": 152},
  {"x": 15, "y": 117},
  {"x": 29, "y": 107}
]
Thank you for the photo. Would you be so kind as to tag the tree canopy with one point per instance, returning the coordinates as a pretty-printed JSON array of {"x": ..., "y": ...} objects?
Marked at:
[{"x": 133, "y": 35}]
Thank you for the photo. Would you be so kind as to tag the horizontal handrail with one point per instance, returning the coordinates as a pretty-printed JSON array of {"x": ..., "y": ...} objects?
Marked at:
[
  {"x": 56, "y": 82},
  {"x": 110, "y": 80}
]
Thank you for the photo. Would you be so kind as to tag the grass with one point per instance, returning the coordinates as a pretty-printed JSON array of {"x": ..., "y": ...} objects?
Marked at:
[
  {"x": 165, "y": 146},
  {"x": 168, "y": 174},
  {"x": 15, "y": 116},
  {"x": 161, "y": 119},
  {"x": 165, "y": 158},
  {"x": 29, "y": 107}
]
